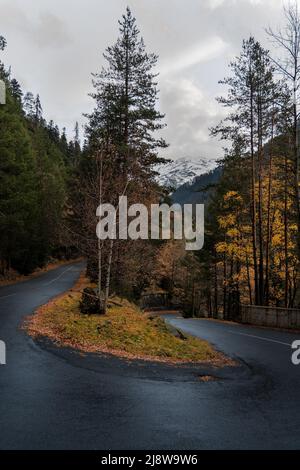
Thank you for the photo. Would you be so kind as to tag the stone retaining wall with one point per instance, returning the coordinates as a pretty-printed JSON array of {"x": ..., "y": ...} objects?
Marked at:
[{"x": 270, "y": 316}]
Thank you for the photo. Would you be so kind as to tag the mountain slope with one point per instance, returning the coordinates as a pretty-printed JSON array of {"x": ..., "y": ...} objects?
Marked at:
[
  {"x": 198, "y": 191},
  {"x": 179, "y": 172}
]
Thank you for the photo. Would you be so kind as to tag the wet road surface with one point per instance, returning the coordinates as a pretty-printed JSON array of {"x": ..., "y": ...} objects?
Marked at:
[{"x": 54, "y": 398}]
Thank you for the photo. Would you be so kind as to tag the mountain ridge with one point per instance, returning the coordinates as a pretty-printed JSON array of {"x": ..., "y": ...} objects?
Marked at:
[{"x": 183, "y": 171}]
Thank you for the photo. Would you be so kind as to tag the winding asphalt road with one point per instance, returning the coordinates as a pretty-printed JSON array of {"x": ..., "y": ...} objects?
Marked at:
[{"x": 54, "y": 398}]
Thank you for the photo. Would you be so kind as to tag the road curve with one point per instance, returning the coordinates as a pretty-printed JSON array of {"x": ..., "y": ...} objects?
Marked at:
[{"x": 54, "y": 398}]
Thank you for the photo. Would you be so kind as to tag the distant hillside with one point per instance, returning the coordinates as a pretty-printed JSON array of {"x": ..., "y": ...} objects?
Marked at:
[{"x": 198, "y": 191}]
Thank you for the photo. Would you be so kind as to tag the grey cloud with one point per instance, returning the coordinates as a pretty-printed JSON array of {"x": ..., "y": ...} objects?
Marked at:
[
  {"x": 54, "y": 45},
  {"x": 49, "y": 31},
  {"x": 190, "y": 114},
  {"x": 44, "y": 30}
]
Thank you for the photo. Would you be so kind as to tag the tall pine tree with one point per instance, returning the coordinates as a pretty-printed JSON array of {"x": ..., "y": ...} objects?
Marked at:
[{"x": 126, "y": 95}]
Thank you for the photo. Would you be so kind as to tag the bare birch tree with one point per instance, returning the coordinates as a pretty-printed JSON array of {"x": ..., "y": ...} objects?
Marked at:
[{"x": 287, "y": 39}]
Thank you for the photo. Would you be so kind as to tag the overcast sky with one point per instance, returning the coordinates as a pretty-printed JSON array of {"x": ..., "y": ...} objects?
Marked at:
[{"x": 54, "y": 45}]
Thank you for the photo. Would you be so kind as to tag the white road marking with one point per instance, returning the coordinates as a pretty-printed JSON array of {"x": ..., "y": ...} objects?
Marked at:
[
  {"x": 58, "y": 277},
  {"x": 6, "y": 296},
  {"x": 47, "y": 284},
  {"x": 263, "y": 338},
  {"x": 260, "y": 337}
]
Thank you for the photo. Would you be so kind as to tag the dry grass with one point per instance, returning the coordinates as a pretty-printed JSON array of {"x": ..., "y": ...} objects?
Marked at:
[{"x": 125, "y": 331}]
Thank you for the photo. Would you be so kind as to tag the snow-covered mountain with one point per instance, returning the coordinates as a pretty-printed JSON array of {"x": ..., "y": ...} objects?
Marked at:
[{"x": 183, "y": 170}]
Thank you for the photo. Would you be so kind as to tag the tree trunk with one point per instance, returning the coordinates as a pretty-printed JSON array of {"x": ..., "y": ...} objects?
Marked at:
[
  {"x": 216, "y": 307},
  {"x": 260, "y": 199},
  {"x": 108, "y": 275},
  {"x": 268, "y": 242},
  {"x": 100, "y": 241},
  {"x": 249, "y": 279},
  {"x": 224, "y": 288},
  {"x": 253, "y": 202},
  {"x": 286, "y": 280},
  {"x": 297, "y": 165}
]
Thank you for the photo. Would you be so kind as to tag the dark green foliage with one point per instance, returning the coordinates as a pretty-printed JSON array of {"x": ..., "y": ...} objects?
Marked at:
[
  {"x": 18, "y": 196},
  {"x": 2, "y": 43},
  {"x": 126, "y": 96},
  {"x": 33, "y": 175},
  {"x": 199, "y": 191}
]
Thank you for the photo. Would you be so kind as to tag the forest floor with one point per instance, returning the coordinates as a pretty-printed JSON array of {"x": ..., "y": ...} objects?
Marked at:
[
  {"x": 125, "y": 331},
  {"x": 13, "y": 277}
]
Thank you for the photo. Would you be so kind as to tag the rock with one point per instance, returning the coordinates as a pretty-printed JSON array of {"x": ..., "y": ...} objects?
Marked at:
[{"x": 90, "y": 304}]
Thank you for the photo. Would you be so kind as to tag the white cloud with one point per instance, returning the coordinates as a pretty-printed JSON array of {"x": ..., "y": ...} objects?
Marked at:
[
  {"x": 190, "y": 114},
  {"x": 203, "y": 52},
  {"x": 43, "y": 29},
  {"x": 215, "y": 3}
]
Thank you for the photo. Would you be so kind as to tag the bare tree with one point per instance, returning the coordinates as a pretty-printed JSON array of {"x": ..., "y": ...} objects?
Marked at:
[
  {"x": 287, "y": 40},
  {"x": 110, "y": 255},
  {"x": 100, "y": 160}
]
